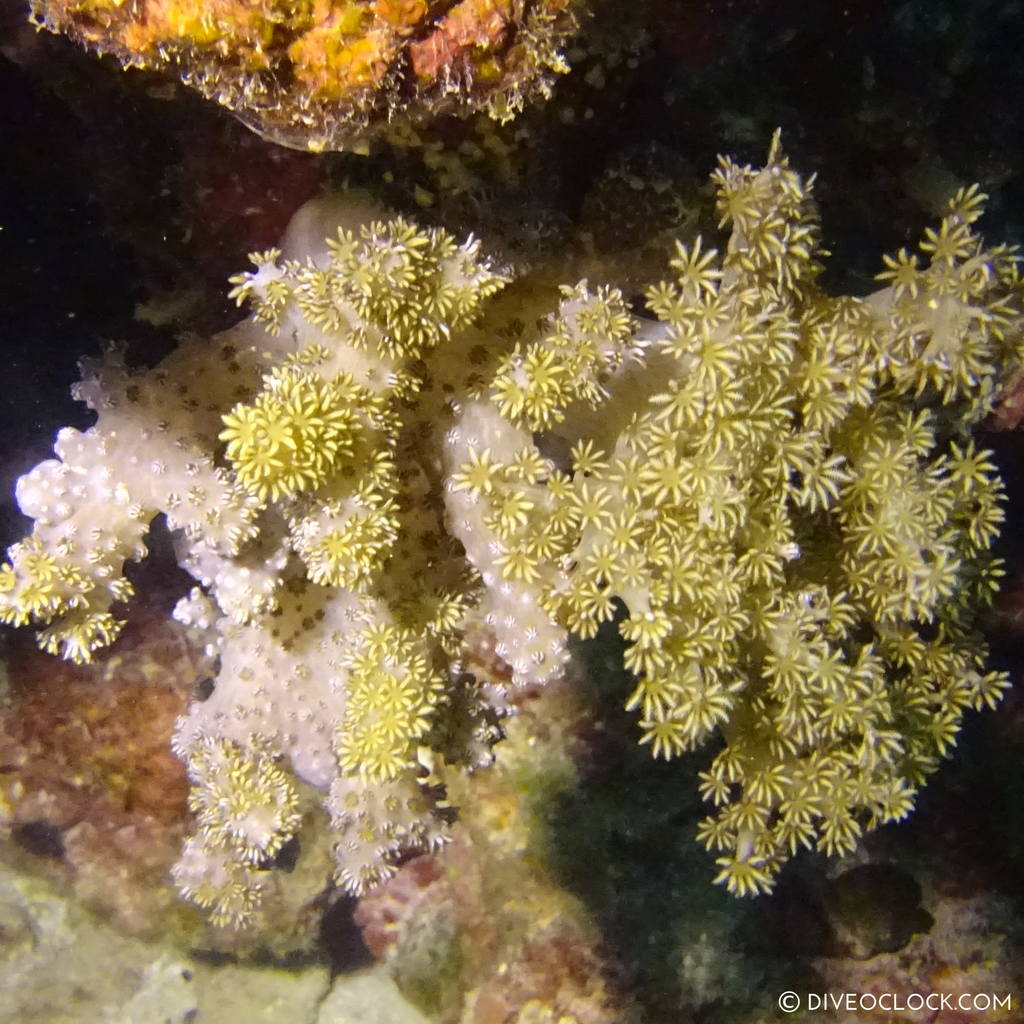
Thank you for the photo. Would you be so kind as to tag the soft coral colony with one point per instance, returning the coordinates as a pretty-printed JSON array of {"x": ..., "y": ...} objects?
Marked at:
[{"x": 773, "y": 492}]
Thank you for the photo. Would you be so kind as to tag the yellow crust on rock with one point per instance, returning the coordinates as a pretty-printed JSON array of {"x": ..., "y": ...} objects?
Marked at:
[{"x": 327, "y": 74}]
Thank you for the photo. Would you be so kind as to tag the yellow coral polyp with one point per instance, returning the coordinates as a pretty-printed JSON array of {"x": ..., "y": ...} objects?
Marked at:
[
  {"x": 293, "y": 436},
  {"x": 392, "y": 692},
  {"x": 242, "y": 800},
  {"x": 34, "y": 584},
  {"x": 477, "y": 476},
  {"x": 350, "y": 549},
  {"x": 79, "y": 635}
]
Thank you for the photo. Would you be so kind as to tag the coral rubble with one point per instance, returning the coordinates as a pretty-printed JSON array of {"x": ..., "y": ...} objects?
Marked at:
[{"x": 773, "y": 492}]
